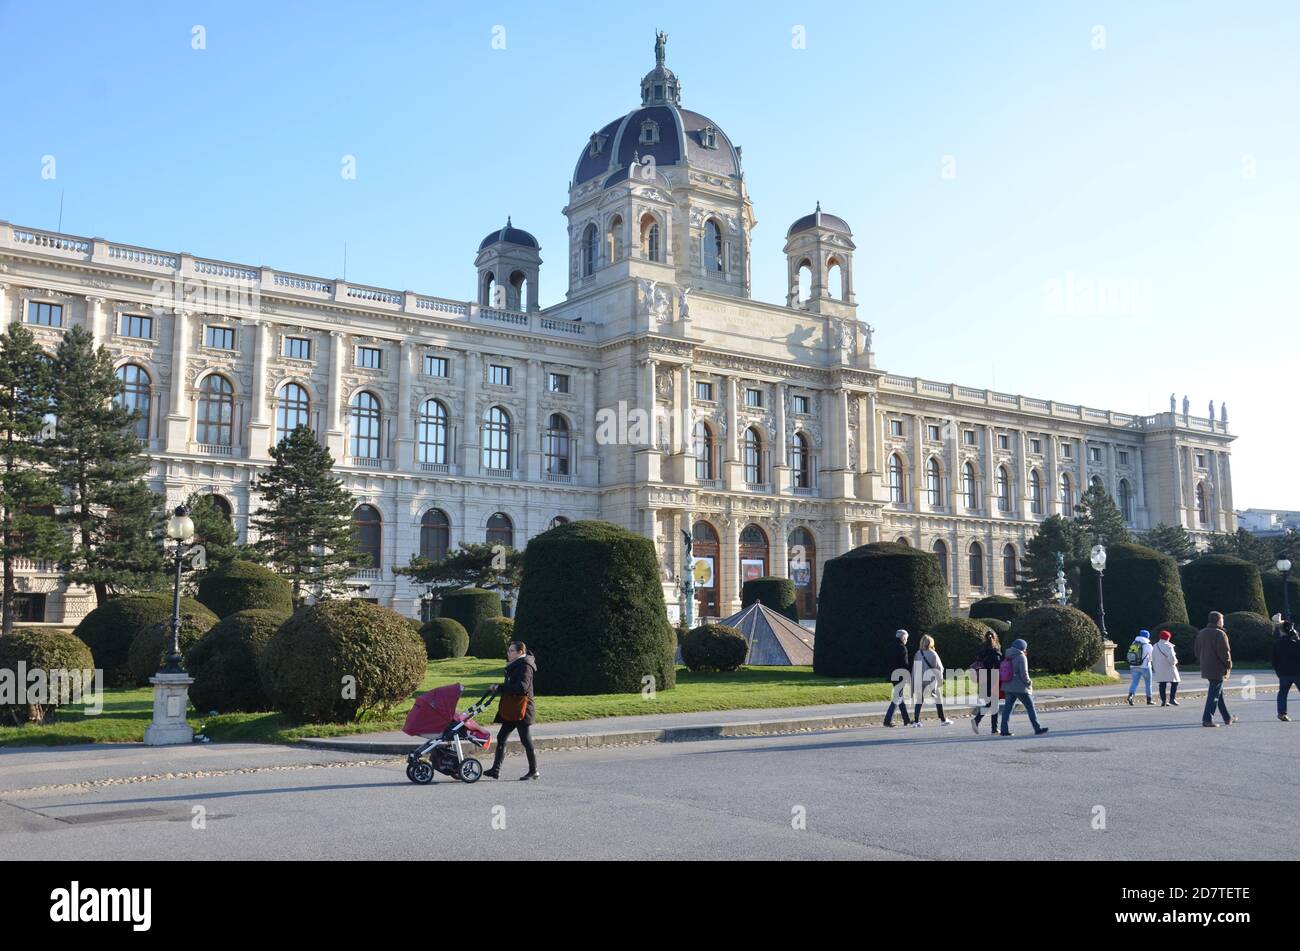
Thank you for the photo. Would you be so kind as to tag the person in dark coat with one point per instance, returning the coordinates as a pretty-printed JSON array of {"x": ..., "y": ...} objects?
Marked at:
[
  {"x": 902, "y": 664},
  {"x": 516, "y": 691},
  {"x": 1286, "y": 664},
  {"x": 987, "y": 664},
  {"x": 1214, "y": 654}
]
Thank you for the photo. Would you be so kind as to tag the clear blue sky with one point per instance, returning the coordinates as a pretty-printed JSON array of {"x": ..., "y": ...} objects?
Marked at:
[{"x": 1168, "y": 160}]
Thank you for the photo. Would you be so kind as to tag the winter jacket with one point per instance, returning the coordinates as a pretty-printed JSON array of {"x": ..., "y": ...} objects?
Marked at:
[
  {"x": 989, "y": 660},
  {"x": 519, "y": 683},
  {"x": 1214, "y": 653},
  {"x": 927, "y": 668},
  {"x": 1146, "y": 653},
  {"x": 902, "y": 661},
  {"x": 1286, "y": 655},
  {"x": 1020, "y": 681},
  {"x": 1164, "y": 663}
]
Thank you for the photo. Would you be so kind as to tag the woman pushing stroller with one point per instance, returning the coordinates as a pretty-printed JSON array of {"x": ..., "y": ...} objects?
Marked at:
[{"x": 515, "y": 707}]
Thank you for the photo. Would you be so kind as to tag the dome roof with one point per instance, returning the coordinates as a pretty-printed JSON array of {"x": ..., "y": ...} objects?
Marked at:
[
  {"x": 510, "y": 235},
  {"x": 820, "y": 219}
]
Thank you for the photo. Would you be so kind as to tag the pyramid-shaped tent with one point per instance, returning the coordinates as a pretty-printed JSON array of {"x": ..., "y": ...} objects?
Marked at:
[{"x": 774, "y": 639}]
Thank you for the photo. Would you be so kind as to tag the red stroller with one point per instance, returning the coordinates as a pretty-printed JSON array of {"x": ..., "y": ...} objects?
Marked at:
[{"x": 434, "y": 717}]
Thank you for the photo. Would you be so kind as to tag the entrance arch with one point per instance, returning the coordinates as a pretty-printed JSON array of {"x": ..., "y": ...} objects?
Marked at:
[
  {"x": 753, "y": 554},
  {"x": 704, "y": 552},
  {"x": 804, "y": 575}
]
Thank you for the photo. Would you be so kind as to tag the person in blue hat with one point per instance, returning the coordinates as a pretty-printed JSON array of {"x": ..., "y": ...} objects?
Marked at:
[
  {"x": 1139, "y": 662},
  {"x": 1019, "y": 687}
]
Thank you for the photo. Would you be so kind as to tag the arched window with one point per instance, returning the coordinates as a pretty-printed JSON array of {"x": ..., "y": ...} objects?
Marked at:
[
  {"x": 753, "y": 457},
  {"x": 834, "y": 276},
  {"x": 558, "y": 521},
  {"x": 519, "y": 288},
  {"x": 1004, "y": 489},
  {"x": 933, "y": 482},
  {"x": 216, "y": 416},
  {"x": 590, "y": 248},
  {"x": 435, "y": 532},
  {"x": 650, "y": 237},
  {"x": 1067, "y": 495},
  {"x": 293, "y": 409},
  {"x": 976, "y": 565},
  {"x": 1125, "y": 500},
  {"x": 496, "y": 439},
  {"x": 1202, "y": 509},
  {"x": 705, "y": 554},
  {"x": 941, "y": 552},
  {"x": 753, "y": 553},
  {"x": 1095, "y": 482},
  {"x": 367, "y": 526},
  {"x": 366, "y": 418},
  {"x": 894, "y": 477},
  {"x": 712, "y": 246},
  {"x": 904, "y": 540},
  {"x": 135, "y": 395},
  {"x": 801, "y": 461},
  {"x": 557, "y": 445},
  {"x": 614, "y": 239},
  {"x": 1009, "y": 566},
  {"x": 1036, "y": 492},
  {"x": 968, "y": 485},
  {"x": 431, "y": 433},
  {"x": 489, "y": 290},
  {"x": 801, "y": 552},
  {"x": 703, "y": 438},
  {"x": 804, "y": 289},
  {"x": 500, "y": 530},
  {"x": 222, "y": 505}
]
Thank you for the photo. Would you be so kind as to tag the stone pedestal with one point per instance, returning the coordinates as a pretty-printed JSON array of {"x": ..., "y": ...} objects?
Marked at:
[
  {"x": 1107, "y": 663},
  {"x": 170, "y": 701}
]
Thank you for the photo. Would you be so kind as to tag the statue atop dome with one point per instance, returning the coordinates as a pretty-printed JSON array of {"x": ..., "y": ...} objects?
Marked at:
[{"x": 661, "y": 40}]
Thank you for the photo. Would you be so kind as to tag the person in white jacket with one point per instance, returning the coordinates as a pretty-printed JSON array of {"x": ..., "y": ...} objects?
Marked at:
[
  {"x": 1164, "y": 667},
  {"x": 1139, "y": 661},
  {"x": 927, "y": 672}
]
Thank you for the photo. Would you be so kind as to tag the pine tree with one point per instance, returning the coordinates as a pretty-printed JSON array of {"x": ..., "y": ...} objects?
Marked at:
[
  {"x": 1099, "y": 518},
  {"x": 1245, "y": 545},
  {"x": 28, "y": 492},
  {"x": 305, "y": 522},
  {"x": 1174, "y": 540},
  {"x": 213, "y": 530},
  {"x": 1036, "y": 579},
  {"x": 115, "y": 519},
  {"x": 477, "y": 565}
]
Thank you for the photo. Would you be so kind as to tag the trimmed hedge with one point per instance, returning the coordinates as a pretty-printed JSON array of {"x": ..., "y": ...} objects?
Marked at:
[
  {"x": 470, "y": 606},
  {"x": 997, "y": 606},
  {"x": 714, "y": 647},
  {"x": 336, "y": 661},
  {"x": 109, "y": 630},
  {"x": 1184, "y": 639},
  {"x": 1000, "y": 627},
  {"x": 866, "y": 595},
  {"x": 244, "y": 586},
  {"x": 45, "y": 649},
  {"x": 591, "y": 606},
  {"x": 1250, "y": 636},
  {"x": 1061, "y": 639},
  {"x": 1221, "y": 583},
  {"x": 224, "y": 662},
  {"x": 444, "y": 638},
  {"x": 958, "y": 640},
  {"x": 1272, "y": 584},
  {"x": 775, "y": 593},
  {"x": 150, "y": 646},
  {"x": 1142, "y": 589},
  {"x": 491, "y": 638}
]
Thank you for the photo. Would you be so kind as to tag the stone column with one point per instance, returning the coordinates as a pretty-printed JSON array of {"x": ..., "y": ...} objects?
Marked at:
[
  {"x": 1141, "y": 480},
  {"x": 587, "y": 470},
  {"x": 918, "y": 463},
  {"x": 734, "y": 476},
  {"x": 1022, "y": 475},
  {"x": 1112, "y": 484},
  {"x": 1083, "y": 467},
  {"x": 1053, "y": 492},
  {"x": 684, "y": 404},
  {"x": 404, "y": 449},
  {"x": 872, "y": 430},
  {"x": 782, "y": 477},
  {"x": 729, "y": 573},
  {"x": 4, "y": 308},
  {"x": 259, "y": 427},
  {"x": 780, "y": 548},
  {"x": 94, "y": 318},
  {"x": 990, "y": 468},
  {"x": 178, "y": 420},
  {"x": 532, "y": 442},
  {"x": 470, "y": 438},
  {"x": 334, "y": 434},
  {"x": 954, "y": 464}
]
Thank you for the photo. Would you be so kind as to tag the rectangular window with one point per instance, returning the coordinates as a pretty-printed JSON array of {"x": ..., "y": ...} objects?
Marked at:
[
  {"x": 753, "y": 397},
  {"x": 435, "y": 366},
  {"x": 932, "y": 432},
  {"x": 559, "y": 382},
  {"x": 1123, "y": 458},
  {"x": 1200, "y": 460},
  {"x": 1004, "y": 441},
  {"x": 1095, "y": 453},
  {"x": 799, "y": 404},
  {"x": 498, "y": 375},
  {"x": 1036, "y": 446},
  {"x": 896, "y": 427},
  {"x": 220, "y": 338},
  {"x": 44, "y": 315},
  {"x": 968, "y": 436},
  {"x": 370, "y": 358},
  {"x": 297, "y": 348},
  {"x": 704, "y": 391},
  {"x": 134, "y": 325},
  {"x": 1067, "y": 450}
]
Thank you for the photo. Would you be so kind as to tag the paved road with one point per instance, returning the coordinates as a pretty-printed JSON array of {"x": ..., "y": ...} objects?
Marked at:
[{"x": 1170, "y": 789}]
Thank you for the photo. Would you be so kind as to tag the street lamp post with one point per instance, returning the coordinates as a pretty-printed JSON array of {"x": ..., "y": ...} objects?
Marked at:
[
  {"x": 1098, "y": 558},
  {"x": 1284, "y": 566},
  {"x": 171, "y": 684},
  {"x": 180, "y": 528}
]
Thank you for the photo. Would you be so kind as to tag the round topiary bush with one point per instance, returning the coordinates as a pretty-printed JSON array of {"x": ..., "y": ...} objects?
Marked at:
[
  {"x": 244, "y": 586},
  {"x": 46, "y": 649},
  {"x": 1272, "y": 583},
  {"x": 957, "y": 640},
  {"x": 1061, "y": 639},
  {"x": 1250, "y": 637},
  {"x": 1142, "y": 589},
  {"x": 152, "y": 643},
  {"x": 224, "y": 662},
  {"x": 1184, "y": 639},
  {"x": 1221, "y": 583},
  {"x": 592, "y": 608},
  {"x": 775, "y": 593},
  {"x": 866, "y": 595},
  {"x": 469, "y": 606},
  {"x": 491, "y": 638},
  {"x": 109, "y": 630},
  {"x": 997, "y": 606},
  {"x": 336, "y": 661},
  {"x": 999, "y": 627},
  {"x": 714, "y": 647},
  {"x": 444, "y": 638}
]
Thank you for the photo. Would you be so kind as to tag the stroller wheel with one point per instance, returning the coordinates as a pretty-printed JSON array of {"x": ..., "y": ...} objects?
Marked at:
[
  {"x": 471, "y": 770},
  {"x": 419, "y": 771}
]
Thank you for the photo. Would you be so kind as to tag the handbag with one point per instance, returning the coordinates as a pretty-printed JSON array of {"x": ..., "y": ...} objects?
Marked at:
[{"x": 513, "y": 708}]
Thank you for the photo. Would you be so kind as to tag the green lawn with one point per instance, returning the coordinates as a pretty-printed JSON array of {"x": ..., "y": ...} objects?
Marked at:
[{"x": 127, "y": 712}]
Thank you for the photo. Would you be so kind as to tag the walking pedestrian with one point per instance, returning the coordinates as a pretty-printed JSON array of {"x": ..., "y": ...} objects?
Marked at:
[
  {"x": 988, "y": 663},
  {"x": 928, "y": 668},
  {"x": 1139, "y": 662},
  {"x": 1018, "y": 686},
  {"x": 1164, "y": 667},
  {"x": 515, "y": 708},
  {"x": 1286, "y": 664},
  {"x": 902, "y": 664},
  {"x": 1214, "y": 654}
]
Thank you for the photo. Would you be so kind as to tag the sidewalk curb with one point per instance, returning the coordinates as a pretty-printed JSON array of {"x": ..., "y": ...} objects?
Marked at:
[{"x": 698, "y": 732}]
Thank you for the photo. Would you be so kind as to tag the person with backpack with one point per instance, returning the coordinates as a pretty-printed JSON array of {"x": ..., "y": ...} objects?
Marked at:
[
  {"x": 1164, "y": 667},
  {"x": 1017, "y": 685},
  {"x": 902, "y": 664},
  {"x": 1139, "y": 661},
  {"x": 1286, "y": 664},
  {"x": 928, "y": 667},
  {"x": 988, "y": 664},
  {"x": 1214, "y": 654}
]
